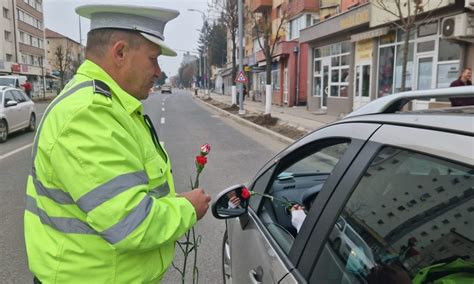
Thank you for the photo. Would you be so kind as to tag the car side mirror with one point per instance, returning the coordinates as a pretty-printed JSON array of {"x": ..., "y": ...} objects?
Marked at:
[
  {"x": 11, "y": 103},
  {"x": 230, "y": 203}
]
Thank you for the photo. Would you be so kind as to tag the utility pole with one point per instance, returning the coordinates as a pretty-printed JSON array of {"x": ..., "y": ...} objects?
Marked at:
[{"x": 241, "y": 57}]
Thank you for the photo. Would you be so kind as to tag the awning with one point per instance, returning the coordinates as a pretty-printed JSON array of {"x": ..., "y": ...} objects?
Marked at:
[{"x": 370, "y": 34}]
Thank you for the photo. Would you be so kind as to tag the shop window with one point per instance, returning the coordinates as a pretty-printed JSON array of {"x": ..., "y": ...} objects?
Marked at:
[
  {"x": 276, "y": 80},
  {"x": 345, "y": 47},
  {"x": 317, "y": 52},
  {"x": 336, "y": 49},
  {"x": 316, "y": 86},
  {"x": 401, "y": 35},
  {"x": 425, "y": 46},
  {"x": 317, "y": 67},
  {"x": 398, "y": 68},
  {"x": 388, "y": 38},
  {"x": 345, "y": 60},
  {"x": 335, "y": 61},
  {"x": 448, "y": 50},
  {"x": 385, "y": 71},
  {"x": 428, "y": 29}
]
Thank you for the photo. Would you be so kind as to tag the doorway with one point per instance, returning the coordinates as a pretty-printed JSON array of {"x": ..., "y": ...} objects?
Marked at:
[
  {"x": 362, "y": 85},
  {"x": 424, "y": 77}
]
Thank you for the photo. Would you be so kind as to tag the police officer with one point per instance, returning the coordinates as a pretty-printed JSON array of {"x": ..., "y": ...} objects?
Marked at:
[{"x": 101, "y": 203}]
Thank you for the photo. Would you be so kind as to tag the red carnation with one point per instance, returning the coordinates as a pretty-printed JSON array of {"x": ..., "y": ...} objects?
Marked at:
[
  {"x": 245, "y": 194},
  {"x": 201, "y": 160}
]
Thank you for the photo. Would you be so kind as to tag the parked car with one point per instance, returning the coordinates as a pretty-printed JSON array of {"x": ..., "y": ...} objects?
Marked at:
[
  {"x": 14, "y": 81},
  {"x": 166, "y": 89},
  {"x": 17, "y": 112},
  {"x": 387, "y": 194}
]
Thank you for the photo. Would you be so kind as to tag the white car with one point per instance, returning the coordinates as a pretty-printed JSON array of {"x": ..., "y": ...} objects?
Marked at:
[
  {"x": 354, "y": 251},
  {"x": 17, "y": 112}
]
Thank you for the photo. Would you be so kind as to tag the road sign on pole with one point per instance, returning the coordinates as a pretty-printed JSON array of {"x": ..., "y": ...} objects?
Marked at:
[{"x": 241, "y": 78}]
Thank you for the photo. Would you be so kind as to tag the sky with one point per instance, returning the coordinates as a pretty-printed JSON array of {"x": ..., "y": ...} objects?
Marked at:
[{"x": 180, "y": 33}]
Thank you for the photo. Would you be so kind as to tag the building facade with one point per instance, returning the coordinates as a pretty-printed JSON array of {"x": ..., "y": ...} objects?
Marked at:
[
  {"x": 63, "y": 55},
  {"x": 356, "y": 55},
  {"x": 23, "y": 49}
]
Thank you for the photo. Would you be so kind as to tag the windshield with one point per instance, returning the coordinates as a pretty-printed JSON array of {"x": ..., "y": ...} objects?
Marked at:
[{"x": 7, "y": 82}]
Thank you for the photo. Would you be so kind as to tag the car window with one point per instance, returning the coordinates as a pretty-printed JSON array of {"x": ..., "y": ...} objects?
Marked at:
[
  {"x": 8, "y": 97},
  {"x": 259, "y": 186},
  {"x": 18, "y": 96},
  {"x": 410, "y": 218},
  {"x": 297, "y": 182},
  {"x": 23, "y": 95}
]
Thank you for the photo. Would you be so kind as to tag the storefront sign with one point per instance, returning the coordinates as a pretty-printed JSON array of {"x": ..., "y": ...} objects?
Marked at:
[
  {"x": 24, "y": 68},
  {"x": 16, "y": 68},
  {"x": 355, "y": 19},
  {"x": 341, "y": 23},
  {"x": 364, "y": 50}
]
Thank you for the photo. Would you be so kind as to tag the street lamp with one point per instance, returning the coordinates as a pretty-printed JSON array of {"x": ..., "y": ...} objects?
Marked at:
[{"x": 206, "y": 69}]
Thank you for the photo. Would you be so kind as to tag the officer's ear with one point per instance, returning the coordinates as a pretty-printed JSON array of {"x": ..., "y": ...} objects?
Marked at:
[{"x": 120, "y": 51}]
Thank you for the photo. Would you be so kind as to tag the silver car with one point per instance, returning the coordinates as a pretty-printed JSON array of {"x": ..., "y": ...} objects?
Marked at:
[
  {"x": 17, "y": 112},
  {"x": 399, "y": 183}
]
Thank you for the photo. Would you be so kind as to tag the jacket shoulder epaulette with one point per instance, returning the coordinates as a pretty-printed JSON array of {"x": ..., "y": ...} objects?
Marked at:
[{"x": 102, "y": 88}]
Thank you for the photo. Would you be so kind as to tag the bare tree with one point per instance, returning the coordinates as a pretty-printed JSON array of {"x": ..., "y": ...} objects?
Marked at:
[
  {"x": 229, "y": 14},
  {"x": 267, "y": 37},
  {"x": 409, "y": 13},
  {"x": 62, "y": 61}
]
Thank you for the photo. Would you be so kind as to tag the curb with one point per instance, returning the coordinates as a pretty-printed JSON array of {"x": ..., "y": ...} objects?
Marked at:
[{"x": 236, "y": 118}]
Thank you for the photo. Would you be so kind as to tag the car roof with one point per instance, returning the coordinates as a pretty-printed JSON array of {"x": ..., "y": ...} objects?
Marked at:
[
  {"x": 395, "y": 102},
  {"x": 457, "y": 120}
]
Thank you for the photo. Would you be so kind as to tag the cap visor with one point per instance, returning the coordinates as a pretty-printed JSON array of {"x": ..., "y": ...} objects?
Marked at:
[{"x": 165, "y": 50}]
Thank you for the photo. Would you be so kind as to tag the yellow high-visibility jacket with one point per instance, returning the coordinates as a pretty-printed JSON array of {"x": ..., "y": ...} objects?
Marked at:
[{"x": 101, "y": 205}]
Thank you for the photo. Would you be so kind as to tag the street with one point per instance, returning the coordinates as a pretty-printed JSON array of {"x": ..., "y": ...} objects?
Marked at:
[{"x": 182, "y": 125}]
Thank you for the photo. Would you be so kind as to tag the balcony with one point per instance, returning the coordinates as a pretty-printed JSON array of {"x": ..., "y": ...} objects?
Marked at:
[
  {"x": 259, "y": 5},
  {"x": 297, "y": 6}
]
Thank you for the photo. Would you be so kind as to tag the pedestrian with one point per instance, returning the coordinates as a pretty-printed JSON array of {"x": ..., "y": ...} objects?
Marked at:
[
  {"x": 101, "y": 203},
  {"x": 27, "y": 86},
  {"x": 463, "y": 80}
]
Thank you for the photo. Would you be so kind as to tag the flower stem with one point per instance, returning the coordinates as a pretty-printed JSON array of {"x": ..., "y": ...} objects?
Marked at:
[
  {"x": 196, "y": 181},
  {"x": 195, "y": 269},
  {"x": 282, "y": 201}
]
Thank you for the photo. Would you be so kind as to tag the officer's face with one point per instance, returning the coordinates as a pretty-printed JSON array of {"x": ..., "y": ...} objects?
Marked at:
[{"x": 143, "y": 69}]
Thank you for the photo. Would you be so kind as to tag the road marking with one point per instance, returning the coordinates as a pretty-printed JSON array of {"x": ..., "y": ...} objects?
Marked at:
[
  {"x": 162, "y": 120},
  {"x": 15, "y": 151},
  {"x": 162, "y": 109}
]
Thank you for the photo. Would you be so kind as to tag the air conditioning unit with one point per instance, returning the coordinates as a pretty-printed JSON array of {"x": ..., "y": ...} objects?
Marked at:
[
  {"x": 469, "y": 5},
  {"x": 459, "y": 27}
]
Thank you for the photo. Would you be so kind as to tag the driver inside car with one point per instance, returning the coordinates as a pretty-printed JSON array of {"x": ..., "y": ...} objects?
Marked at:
[{"x": 298, "y": 215}]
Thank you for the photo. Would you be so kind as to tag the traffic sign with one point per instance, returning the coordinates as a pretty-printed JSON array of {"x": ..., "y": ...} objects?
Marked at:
[{"x": 241, "y": 78}]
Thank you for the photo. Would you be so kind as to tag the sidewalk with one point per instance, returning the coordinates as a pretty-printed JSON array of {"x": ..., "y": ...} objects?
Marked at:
[{"x": 297, "y": 116}]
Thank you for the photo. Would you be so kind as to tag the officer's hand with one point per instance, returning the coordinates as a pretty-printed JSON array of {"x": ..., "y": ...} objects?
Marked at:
[{"x": 199, "y": 199}]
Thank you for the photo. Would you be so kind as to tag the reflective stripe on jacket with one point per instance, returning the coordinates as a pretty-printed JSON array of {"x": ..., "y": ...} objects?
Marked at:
[{"x": 101, "y": 205}]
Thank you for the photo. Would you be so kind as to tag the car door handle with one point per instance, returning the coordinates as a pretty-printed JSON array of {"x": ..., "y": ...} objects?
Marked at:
[{"x": 256, "y": 275}]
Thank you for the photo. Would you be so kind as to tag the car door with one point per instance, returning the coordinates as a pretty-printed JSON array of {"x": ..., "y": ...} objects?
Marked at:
[
  {"x": 12, "y": 113},
  {"x": 22, "y": 108},
  {"x": 408, "y": 199},
  {"x": 264, "y": 244}
]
